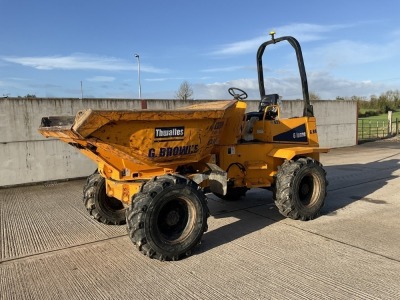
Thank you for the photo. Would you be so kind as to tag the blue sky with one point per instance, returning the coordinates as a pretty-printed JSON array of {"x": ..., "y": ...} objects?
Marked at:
[{"x": 49, "y": 47}]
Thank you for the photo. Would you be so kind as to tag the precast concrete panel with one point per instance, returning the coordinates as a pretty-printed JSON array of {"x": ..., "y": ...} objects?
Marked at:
[{"x": 27, "y": 157}]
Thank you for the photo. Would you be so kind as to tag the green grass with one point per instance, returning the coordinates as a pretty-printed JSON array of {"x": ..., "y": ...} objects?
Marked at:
[
  {"x": 363, "y": 110},
  {"x": 375, "y": 126},
  {"x": 382, "y": 117}
]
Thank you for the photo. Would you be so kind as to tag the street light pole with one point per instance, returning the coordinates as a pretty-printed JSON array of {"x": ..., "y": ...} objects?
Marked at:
[{"x": 140, "y": 86}]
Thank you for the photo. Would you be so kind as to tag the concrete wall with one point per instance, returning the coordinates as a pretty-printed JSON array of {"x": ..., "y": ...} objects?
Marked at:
[
  {"x": 336, "y": 121},
  {"x": 27, "y": 157}
]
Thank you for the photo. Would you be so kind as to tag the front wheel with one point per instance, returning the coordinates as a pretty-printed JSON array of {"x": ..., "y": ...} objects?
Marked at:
[
  {"x": 300, "y": 189},
  {"x": 168, "y": 217}
]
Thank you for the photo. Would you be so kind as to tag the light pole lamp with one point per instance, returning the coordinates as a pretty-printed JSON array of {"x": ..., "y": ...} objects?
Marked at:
[{"x": 140, "y": 86}]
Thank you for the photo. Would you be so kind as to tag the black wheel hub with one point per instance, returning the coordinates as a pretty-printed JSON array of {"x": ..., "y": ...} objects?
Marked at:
[
  {"x": 306, "y": 190},
  {"x": 173, "y": 219}
]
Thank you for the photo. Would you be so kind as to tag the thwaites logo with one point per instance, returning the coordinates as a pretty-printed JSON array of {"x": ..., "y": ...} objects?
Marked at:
[{"x": 169, "y": 132}]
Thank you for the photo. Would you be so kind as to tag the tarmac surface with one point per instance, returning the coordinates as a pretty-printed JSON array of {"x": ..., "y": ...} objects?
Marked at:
[{"x": 52, "y": 249}]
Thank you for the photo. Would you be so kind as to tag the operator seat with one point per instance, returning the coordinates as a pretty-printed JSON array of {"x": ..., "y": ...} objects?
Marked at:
[{"x": 271, "y": 99}]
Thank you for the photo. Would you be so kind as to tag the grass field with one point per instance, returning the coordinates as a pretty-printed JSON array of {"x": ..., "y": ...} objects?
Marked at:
[
  {"x": 375, "y": 127},
  {"x": 382, "y": 117}
]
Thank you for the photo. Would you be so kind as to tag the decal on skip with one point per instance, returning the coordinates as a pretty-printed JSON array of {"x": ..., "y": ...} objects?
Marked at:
[
  {"x": 168, "y": 132},
  {"x": 173, "y": 151}
]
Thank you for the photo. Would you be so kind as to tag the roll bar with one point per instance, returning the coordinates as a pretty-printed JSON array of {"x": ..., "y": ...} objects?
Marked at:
[{"x": 308, "y": 108}]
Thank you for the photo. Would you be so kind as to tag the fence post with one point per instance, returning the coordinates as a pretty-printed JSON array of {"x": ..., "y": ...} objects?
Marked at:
[
  {"x": 370, "y": 126},
  {"x": 390, "y": 113},
  {"x": 362, "y": 129},
  {"x": 383, "y": 129}
]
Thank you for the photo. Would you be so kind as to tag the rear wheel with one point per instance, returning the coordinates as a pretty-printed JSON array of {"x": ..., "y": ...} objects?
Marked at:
[
  {"x": 168, "y": 217},
  {"x": 300, "y": 189},
  {"x": 105, "y": 209}
]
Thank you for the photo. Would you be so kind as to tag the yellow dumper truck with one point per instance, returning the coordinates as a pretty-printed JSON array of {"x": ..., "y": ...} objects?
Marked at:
[{"x": 156, "y": 166}]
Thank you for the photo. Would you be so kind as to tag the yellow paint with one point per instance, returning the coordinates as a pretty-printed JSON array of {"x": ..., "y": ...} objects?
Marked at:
[
  {"x": 122, "y": 190},
  {"x": 131, "y": 147}
]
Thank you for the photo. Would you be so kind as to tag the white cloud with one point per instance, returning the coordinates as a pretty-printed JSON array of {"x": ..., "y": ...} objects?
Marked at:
[
  {"x": 101, "y": 79},
  {"x": 9, "y": 85},
  {"x": 347, "y": 52},
  {"x": 164, "y": 79},
  {"x": 304, "y": 32},
  {"x": 156, "y": 79},
  {"x": 160, "y": 79},
  {"x": 329, "y": 87},
  {"x": 324, "y": 84},
  {"x": 226, "y": 69},
  {"x": 79, "y": 62},
  {"x": 240, "y": 47},
  {"x": 219, "y": 90},
  {"x": 18, "y": 79}
]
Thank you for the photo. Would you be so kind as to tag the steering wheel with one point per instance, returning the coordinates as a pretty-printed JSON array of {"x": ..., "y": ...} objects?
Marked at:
[{"x": 237, "y": 94}]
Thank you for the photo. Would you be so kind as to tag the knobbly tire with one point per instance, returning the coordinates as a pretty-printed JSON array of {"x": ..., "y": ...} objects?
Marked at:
[
  {"x": 107, "y": 210},
  {"x": 167, "y": 217},
  {"x": 300, "y": 189}
]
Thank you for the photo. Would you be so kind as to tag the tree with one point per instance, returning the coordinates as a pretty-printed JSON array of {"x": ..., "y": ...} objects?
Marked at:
[
  {"x": 314, "y": 96},
  {"x": 185, "y": 91}
]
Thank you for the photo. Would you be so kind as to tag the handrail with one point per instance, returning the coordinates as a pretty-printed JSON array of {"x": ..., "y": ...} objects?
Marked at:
[{"x": 308, "y": 108}]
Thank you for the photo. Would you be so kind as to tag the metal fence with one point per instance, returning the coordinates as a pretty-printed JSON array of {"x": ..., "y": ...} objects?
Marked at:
[{"x": 377, "y": 129}]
